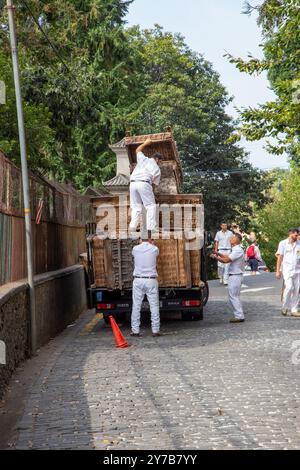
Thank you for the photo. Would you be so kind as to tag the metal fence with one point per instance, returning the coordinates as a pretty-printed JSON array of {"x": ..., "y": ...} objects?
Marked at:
[{"x": 59, "y": 235}]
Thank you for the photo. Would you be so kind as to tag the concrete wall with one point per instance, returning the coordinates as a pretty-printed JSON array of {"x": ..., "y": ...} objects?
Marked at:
[
  {"x": 123, "y": 165},
  {"x": 60, "y": 299}
]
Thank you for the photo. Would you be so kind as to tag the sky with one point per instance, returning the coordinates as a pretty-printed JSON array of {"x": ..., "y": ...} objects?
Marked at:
[{"x": 213, "y": 27}]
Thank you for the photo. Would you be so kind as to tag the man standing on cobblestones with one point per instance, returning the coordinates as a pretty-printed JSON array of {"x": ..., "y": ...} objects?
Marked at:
[
  {"x": 145, "y": 283},
  {"x": 236, "y": 262},
  {"x": 288, "y": 263},
  {"x": 222, "y": 244}
]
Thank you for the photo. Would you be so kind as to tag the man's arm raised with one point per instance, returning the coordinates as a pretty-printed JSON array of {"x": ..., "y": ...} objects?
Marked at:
[{"x": 144, "y": 145}]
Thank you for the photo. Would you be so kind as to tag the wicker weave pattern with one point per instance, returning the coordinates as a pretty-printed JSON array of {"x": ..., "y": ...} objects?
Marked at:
[
  {"x": 99, "y": 262},
  {"x": 114, "y": 218},
  {"x": 113, "y": 265},
  {"x": 163, "y": 143},
  {"x": 177, "y": 266}
]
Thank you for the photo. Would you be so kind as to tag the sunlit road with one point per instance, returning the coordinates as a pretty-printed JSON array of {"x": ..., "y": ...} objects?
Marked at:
[{"x": 205, "y": 385}]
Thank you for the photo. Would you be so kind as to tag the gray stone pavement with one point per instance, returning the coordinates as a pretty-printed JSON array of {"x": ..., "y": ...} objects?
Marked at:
[{"x": 205, "y": 385}]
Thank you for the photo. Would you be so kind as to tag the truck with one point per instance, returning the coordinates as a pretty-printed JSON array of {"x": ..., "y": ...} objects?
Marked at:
[{"x": 181, "y": 239}]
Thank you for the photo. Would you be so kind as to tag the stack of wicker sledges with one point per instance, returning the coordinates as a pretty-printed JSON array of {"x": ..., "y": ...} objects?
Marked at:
[{"x": 180, "y": 220}]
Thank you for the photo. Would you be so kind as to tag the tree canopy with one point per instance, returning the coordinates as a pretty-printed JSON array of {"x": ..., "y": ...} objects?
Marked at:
[
  {"x": 183, "y": 90},
  {"x": 278, "y": 119},
  {"x": 87, "y": 78},
  {"x": 274, "y": 220}
]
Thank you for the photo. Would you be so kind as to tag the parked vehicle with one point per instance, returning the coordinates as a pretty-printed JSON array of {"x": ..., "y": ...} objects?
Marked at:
[{"x": 182, "y": 262}]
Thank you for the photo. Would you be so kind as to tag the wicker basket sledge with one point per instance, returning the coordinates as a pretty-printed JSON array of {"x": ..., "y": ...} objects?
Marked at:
[
  {"x": 113, "y": 264},
  {"x": 177, "y": 266},
  {"x": 163, "y": 143}
]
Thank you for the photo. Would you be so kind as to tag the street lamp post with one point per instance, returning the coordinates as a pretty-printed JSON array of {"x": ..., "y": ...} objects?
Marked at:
[{"x": 25, "y": 179}]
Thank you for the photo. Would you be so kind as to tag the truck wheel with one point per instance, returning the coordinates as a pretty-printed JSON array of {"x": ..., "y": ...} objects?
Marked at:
[
  {"x": 205, "y": 294},
  {"x": 186, "y": 316},
  {"x": 198, "y": 315}
]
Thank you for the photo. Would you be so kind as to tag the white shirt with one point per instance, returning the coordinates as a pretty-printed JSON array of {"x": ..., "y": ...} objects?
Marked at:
[
  {"x": 237, "y": 256},
  {"x": 224, "y": 239},
  {"x": 146, "y": 170},
  {"x": 291, "y": 256},
  {"x": 145, "y": 256}
]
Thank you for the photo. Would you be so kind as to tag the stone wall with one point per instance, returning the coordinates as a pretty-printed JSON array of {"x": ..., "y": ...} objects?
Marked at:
[
  {"x": 60, "y": 299},
  {"x": 14, "y": 328}
]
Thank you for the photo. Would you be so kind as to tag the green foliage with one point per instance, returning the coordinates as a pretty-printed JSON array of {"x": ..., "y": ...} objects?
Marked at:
[
  {"x": 37, "y": 122},
  {"x": 105, "y": 79},
  {"x": 182, "y": 89},
  {"x": 276, "y": 218},
  {"x": 279, "y": 119},
  {"x": 87, "y": 89}
]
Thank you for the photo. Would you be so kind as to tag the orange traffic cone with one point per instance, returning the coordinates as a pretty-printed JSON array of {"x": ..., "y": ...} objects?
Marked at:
[{"x": 119, "y": 338}]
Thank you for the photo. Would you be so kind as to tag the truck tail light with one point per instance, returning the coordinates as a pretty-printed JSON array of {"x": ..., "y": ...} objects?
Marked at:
[
  {"x": 105, "y": 306},
  {"x": 191, "y": 303}
]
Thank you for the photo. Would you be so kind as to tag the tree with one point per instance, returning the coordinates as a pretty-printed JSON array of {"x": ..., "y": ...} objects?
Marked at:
[
  {"x": 85, "y": 79},
  {"x": 279, "y": 119},
  {"x": 96, "y": 79},
  {"x": 276, "y": 218},
  {"x": 37, "y": 121},
  {"x": 182, "y": 89}
]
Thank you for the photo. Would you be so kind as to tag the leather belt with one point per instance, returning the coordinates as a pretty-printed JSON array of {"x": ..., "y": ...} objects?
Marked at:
[
  {"x": 145, "y": 277},
  {"x": 140, "y": 181},
  {"x": 236, "y": 274}
]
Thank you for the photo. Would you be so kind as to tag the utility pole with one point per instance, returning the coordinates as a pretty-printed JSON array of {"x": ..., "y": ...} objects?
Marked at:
[{"x": 25, "y": 179}]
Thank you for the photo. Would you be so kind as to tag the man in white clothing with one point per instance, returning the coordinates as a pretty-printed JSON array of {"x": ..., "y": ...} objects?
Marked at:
[
  {"x": 145, "y": 174},
  {"x": 288, "y": 264},
  {"x": 145, "y": 283},
  {"x": 222, "y": 245},
  {"x": 236, "y": 262}
]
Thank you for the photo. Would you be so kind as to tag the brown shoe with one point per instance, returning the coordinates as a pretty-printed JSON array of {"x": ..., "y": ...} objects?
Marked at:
[
  {"x": 136, "y": 335},
  {"x": 236, "y": 320},
  {"x": 156, "y": 335}
]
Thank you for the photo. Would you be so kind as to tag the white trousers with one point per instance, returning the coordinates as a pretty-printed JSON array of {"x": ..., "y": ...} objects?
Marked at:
[
  {"x": 223, "y": 267},
  {"x": 141, "y": 194},
  {"x": 290, "y": 298},
  {"x": 234, "y": 293},
  {"x": 139, "y": 289}
]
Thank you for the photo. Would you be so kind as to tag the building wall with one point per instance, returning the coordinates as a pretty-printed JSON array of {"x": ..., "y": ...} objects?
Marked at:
[
  {"x": 123, "y": 166},
  {"x": 60, "y": 299}
]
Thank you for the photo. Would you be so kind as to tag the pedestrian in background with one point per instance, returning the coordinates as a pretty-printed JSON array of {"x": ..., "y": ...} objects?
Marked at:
[
  {"x": 288, "y": 264},
  {"x": 236, "y": 266},
  {"x": 223, "y": 245},
  {"x": 253, "y": 257}
]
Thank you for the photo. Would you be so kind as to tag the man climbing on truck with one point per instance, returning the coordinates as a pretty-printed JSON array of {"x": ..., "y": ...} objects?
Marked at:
[{"x": 146, "y": 174}]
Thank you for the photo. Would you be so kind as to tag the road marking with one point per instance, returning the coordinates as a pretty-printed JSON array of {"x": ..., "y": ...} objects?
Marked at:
[
  {"x": 91, "y": 325},
  {"x": 257, "y": 289}
]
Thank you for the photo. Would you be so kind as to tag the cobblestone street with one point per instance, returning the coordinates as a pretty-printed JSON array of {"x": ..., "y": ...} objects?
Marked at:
[{"x": 205, "y": 385}]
